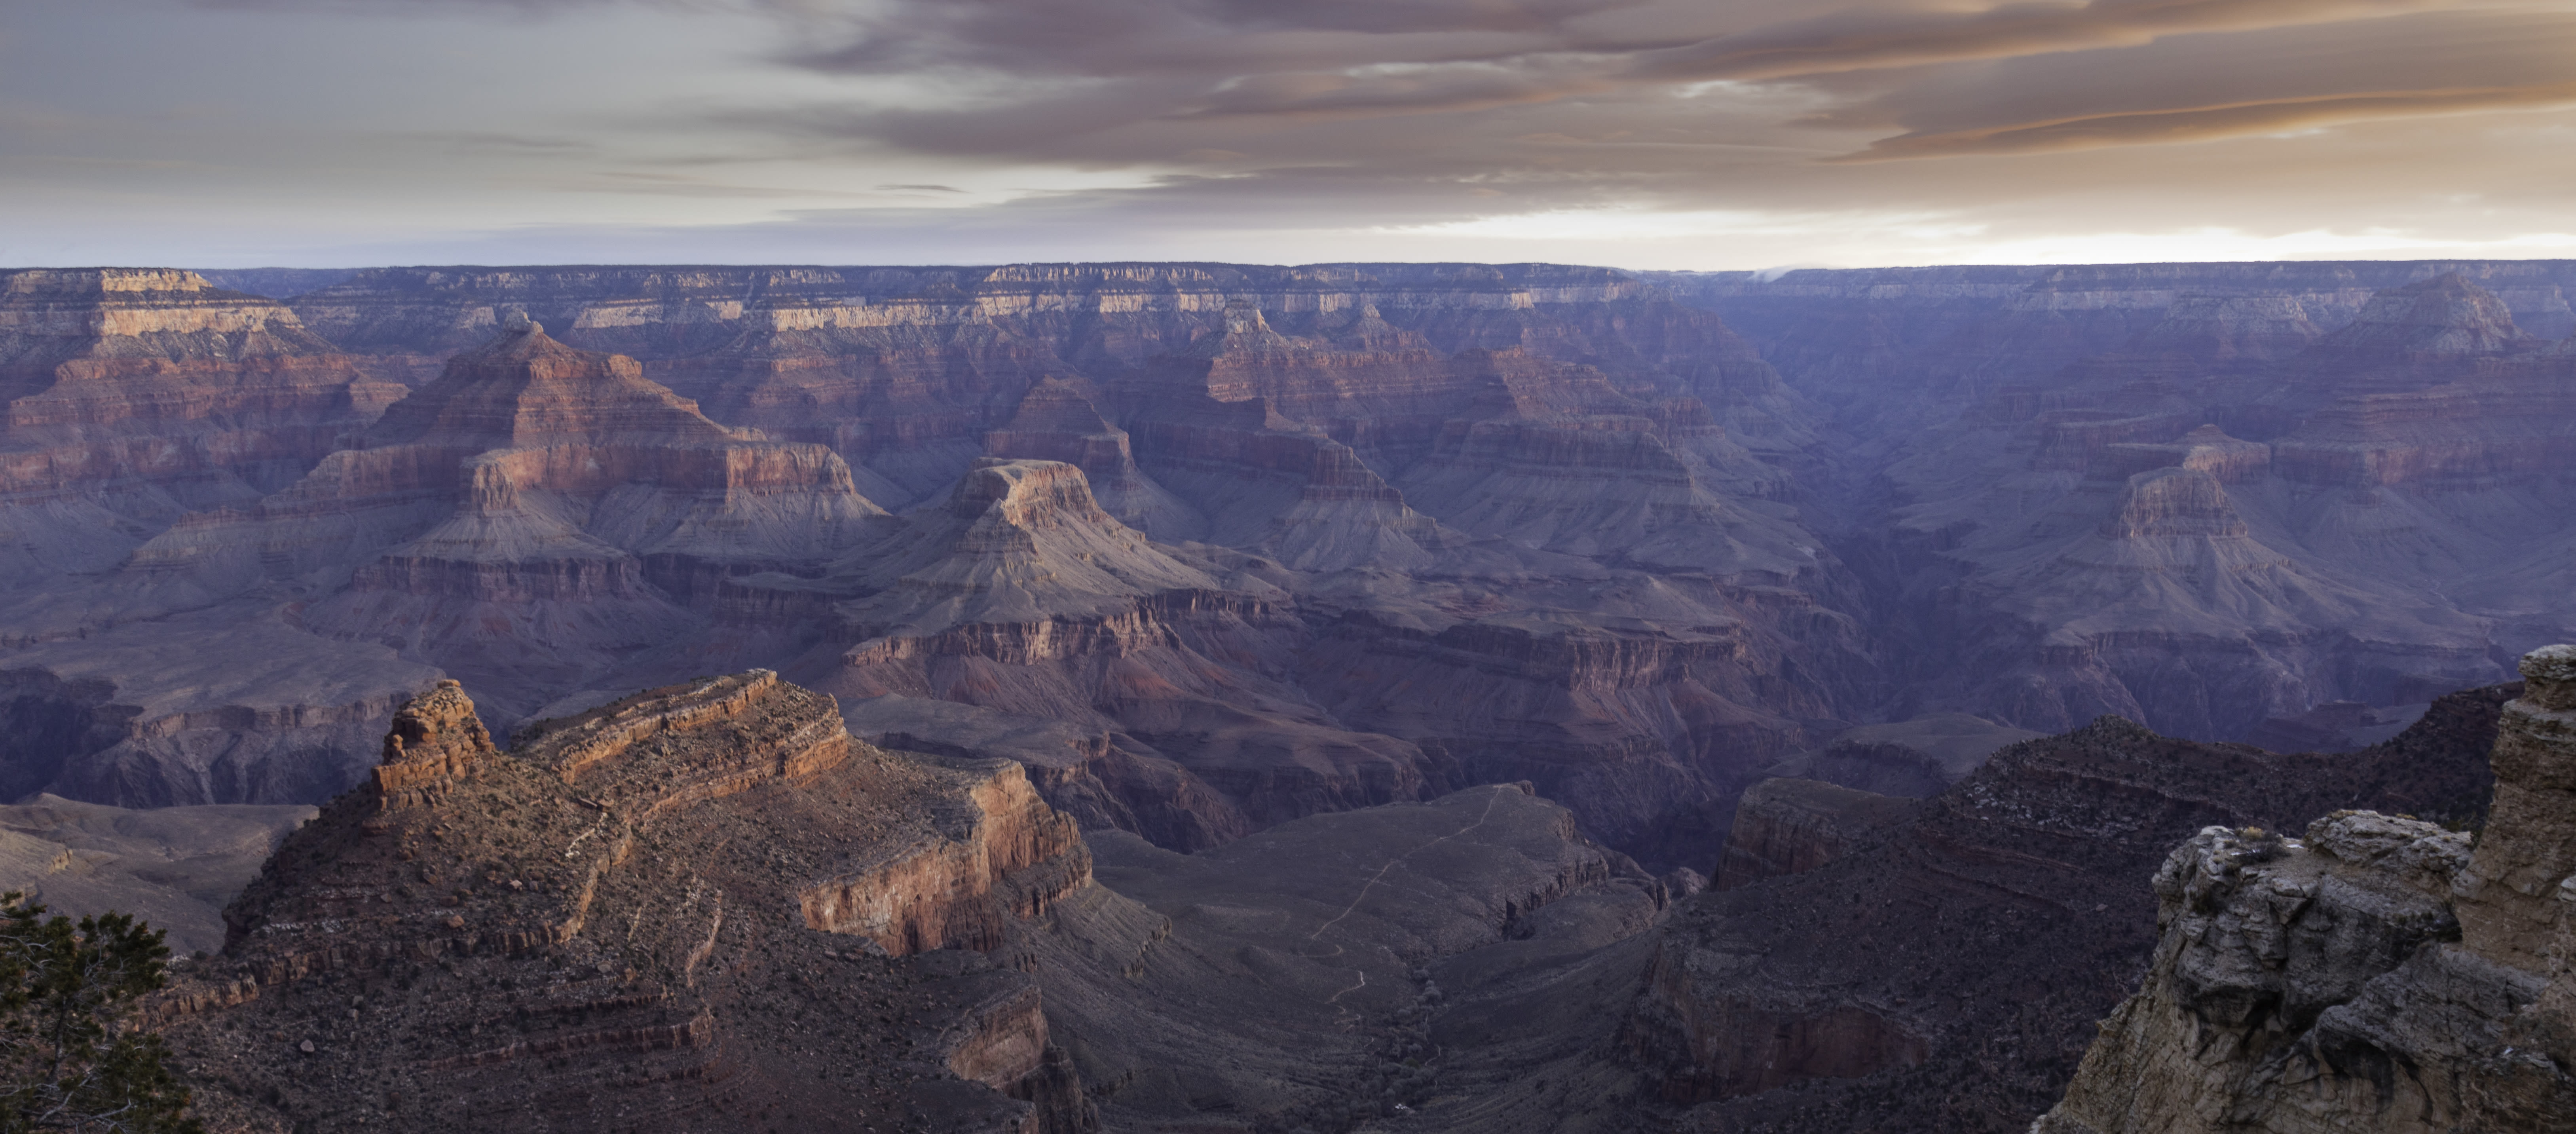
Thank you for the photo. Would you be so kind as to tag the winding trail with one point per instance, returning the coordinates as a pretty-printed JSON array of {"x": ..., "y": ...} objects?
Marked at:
[{"x": 1374, "y": 879}]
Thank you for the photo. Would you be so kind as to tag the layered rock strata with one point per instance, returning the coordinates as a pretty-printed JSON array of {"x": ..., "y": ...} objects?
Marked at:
[
  {"x": 525, "y": 520},
  {"x": 1374, "y": 479},
  {"x": 647, "y": 912},
  {"x": 134, "y": 395},
  {"x": 2382, "y": 973},
  {"x": 2215, "y": 526},
  {"x": 1022, "y": 599}
]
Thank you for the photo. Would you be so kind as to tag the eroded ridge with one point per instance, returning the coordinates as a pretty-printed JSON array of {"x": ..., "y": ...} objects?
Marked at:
[{"x": 609, "y": 925}]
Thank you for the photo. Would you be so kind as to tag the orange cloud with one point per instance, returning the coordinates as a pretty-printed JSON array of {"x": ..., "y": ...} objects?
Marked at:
[
  {"x": 2199, "y": 123},
  {"x": 1864, "y": 40}
]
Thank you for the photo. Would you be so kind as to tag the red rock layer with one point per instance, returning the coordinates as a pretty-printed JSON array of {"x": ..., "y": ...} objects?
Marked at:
[{"x": 609, "y": 924}]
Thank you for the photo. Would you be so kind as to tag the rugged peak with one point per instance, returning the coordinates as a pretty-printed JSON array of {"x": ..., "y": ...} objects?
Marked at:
[
  {"x": 2174, "y": 502},
  {"x": 436, "y": 739},
  {"x": 1368, "y": 330},
  {"x": 2308, "y": 985},
  {"x": 526, "y": 390},
  {"x": 2443, "y": 315}
]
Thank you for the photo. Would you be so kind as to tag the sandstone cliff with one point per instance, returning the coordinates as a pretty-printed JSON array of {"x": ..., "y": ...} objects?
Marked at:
[
  {"x": 2380, "y": 974},
  {"x": 698, "y": 906}
]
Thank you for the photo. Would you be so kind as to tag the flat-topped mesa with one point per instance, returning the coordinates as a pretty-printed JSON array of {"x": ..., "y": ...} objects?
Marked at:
[
  {"x": 1026, "y": 495},
  {"x": 1005, "y": 855},
  {"x": 436, "y": 740},
  {"x": 1057, "y": 421},
  {"x": 687, "y": 743}
]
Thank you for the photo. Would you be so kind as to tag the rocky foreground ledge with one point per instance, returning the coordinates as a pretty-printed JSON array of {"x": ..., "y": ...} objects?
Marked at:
[{"x": 2381, "y": 974}]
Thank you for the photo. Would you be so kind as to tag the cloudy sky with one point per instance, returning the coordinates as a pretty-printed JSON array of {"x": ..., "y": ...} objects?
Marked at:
[{"x": 1639, "y": 133}]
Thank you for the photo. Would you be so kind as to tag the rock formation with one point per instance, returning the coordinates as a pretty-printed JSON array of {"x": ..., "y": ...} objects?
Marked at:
[
  {"x": 1415, "y": 527},
  {"x": 134, "y": 395},
  {"x": 1422, "y": 473},
  {"x": 2287, "y": 490},
  {"x": 707, "y": 905},
  {"x": 525, "y": 520},
  {"x": 703, "y": 904},
  {"x": 1938, "y": 965},
  {"x": 2382, "y": 973}
]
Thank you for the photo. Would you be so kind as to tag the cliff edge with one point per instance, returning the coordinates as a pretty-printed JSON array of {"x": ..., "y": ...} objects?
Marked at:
[{"x": 2381, "y": 974}]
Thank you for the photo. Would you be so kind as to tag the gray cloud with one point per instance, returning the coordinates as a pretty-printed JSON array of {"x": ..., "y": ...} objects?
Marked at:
[{"x": 1199, "y": 122}]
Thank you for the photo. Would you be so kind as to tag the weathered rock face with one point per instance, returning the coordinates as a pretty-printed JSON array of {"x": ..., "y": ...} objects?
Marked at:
[
  {"x": 1943, "y": 971},
  {"x": 1022, "y": 599},
  {"x": 2385, "y": 974},
  {"x": 656, "y": 902}
]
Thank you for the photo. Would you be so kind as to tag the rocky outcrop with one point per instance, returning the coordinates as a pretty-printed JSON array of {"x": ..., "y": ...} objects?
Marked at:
[
  {"x": 1944, "y": 972},
  {"x": 436, "y": 741},
  {"x": 2381, "y": 974},
  {"x": 626, "y": 899}
]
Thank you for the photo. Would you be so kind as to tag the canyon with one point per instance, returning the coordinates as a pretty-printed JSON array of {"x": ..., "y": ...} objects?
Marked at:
[{"x": 1523, "y": 684}]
